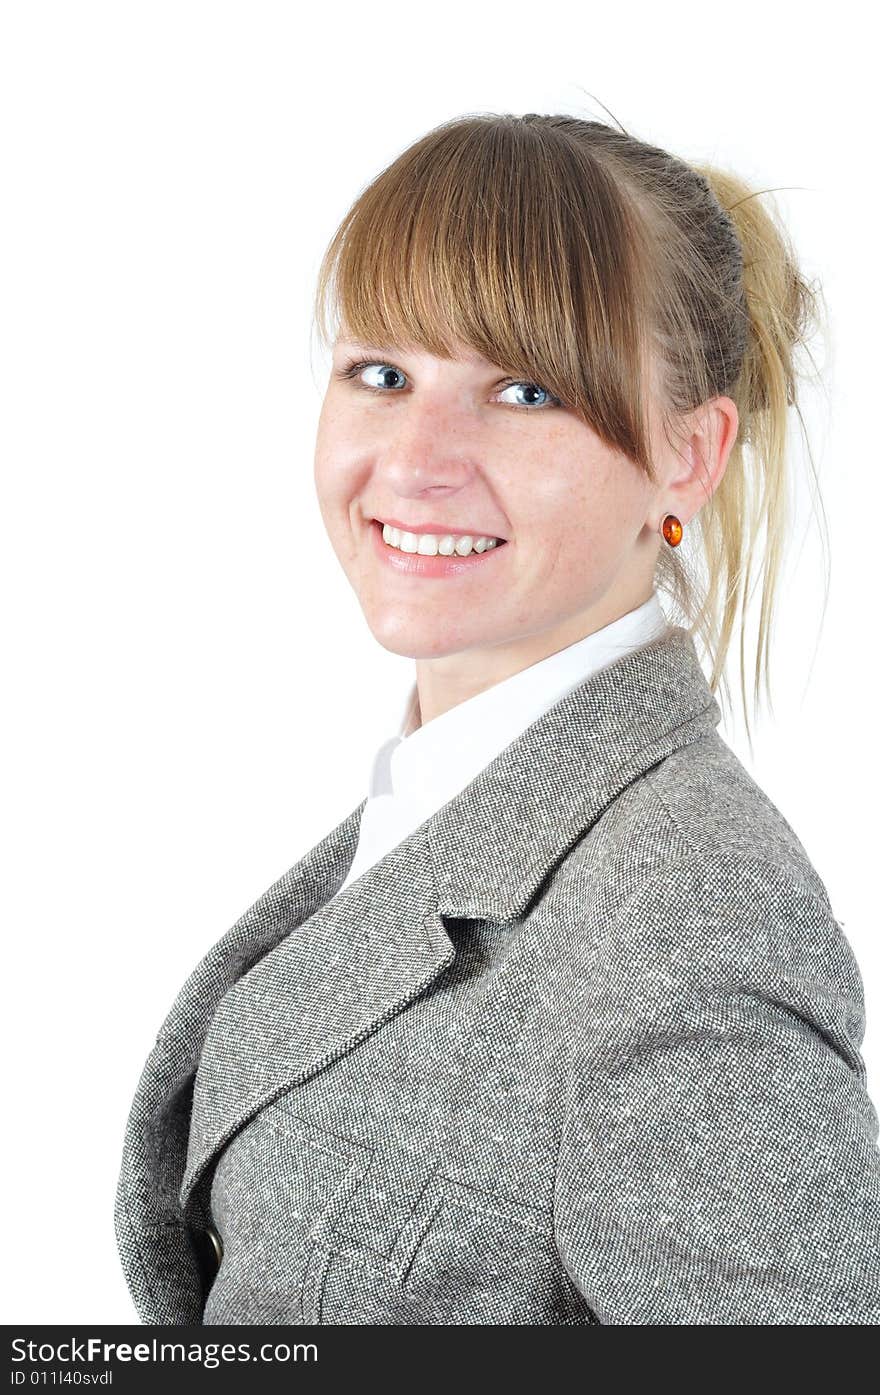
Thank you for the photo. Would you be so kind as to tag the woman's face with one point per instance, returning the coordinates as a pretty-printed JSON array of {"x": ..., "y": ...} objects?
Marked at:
[{"x": 456, "y": 447}]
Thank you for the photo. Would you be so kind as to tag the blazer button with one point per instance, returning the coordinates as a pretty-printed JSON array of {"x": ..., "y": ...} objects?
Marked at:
[{"x": 217, "y": 1244}]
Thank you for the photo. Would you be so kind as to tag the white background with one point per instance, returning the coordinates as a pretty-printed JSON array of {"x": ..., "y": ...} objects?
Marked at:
[{"x": 191, "y": 695}]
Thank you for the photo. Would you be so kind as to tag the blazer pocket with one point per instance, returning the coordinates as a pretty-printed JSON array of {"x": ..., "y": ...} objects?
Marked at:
[
  {"x": 317, "y": 1227},
  {"x": 278, "y": 1184},
  {"x": 470, "y": 1257}
]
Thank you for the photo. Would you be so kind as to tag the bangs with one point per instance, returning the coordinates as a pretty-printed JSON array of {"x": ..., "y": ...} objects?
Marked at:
[{"x": 511, "y": 239}]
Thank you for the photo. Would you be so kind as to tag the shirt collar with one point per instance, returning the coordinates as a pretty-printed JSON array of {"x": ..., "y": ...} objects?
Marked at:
[{"x": 433, "y": 762}]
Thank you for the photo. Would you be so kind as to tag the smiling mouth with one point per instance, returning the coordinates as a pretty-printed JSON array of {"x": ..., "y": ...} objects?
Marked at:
[
  {"x": 439, "y": 558},
  {"x": 436, "y": 542}
]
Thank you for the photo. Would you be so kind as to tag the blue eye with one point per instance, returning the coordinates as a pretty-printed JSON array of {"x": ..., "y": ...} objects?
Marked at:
[
  {"x": 533, "y": 388},
  {"x": 352, "y": 373}
]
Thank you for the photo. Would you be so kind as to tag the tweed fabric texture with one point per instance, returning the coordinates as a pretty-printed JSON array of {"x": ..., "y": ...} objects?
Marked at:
[{"x": 583, "y": 1048}]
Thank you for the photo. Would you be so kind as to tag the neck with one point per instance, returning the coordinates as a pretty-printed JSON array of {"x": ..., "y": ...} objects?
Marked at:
[{"x": 450, "y": 679}]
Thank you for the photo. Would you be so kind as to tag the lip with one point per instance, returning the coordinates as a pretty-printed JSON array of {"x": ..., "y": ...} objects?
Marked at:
[
  {"x": 414, "y": 564},
  {"x": 439, "y": 530}
]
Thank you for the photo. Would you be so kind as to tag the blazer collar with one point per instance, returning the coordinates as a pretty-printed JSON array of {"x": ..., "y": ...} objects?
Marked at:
[
  {"x": 301, "y": 979},
  {"x": 493, "y": 844}
]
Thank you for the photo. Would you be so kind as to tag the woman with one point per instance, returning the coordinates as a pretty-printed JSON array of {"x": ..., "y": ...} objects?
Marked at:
[{"x": 557, "y": 1026}]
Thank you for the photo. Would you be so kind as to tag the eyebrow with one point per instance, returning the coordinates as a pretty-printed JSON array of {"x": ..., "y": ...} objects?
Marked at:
[
  {"x": 399, "y": 348},
  {"x": 378, "y": 348}
]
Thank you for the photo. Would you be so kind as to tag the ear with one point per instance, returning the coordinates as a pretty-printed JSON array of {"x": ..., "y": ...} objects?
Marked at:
[{"x": 702, "y": 449}]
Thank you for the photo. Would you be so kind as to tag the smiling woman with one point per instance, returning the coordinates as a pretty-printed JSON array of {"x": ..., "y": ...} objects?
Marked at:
[
  {"x": 641, "y": 312},
  {"x": 557, "y": 1026}
]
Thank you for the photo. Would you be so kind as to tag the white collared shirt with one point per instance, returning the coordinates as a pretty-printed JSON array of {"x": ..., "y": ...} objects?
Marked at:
[{"x": 415, "y": 772}]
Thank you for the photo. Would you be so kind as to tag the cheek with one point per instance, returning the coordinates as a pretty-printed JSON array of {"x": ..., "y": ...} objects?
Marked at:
[
  {"x": 335, "y": 447},
  {"x": 586, "y": 517},
  {"x": 326, "y": 489},
  {"x": 335, "y": 476}
]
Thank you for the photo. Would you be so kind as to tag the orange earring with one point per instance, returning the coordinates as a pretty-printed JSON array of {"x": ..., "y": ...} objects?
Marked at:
[{"x": 672, "y": 530}]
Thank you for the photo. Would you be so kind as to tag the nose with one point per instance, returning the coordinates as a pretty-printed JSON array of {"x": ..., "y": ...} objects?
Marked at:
[{"x": 427, "y": 456}]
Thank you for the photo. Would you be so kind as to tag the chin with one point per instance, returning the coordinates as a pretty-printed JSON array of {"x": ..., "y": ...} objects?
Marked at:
[{"x": 410, "y": 643}]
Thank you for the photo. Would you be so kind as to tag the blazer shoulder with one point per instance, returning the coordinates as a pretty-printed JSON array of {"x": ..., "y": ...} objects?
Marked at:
[
  {"x": 717, "y": 808},
  {"x": 696, "y": 807},
  {"x": 726, "y": 933}
]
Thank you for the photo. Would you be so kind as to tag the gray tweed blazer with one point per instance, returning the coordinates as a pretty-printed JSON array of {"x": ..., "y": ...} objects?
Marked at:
[{"x": 583, "y": 1048}]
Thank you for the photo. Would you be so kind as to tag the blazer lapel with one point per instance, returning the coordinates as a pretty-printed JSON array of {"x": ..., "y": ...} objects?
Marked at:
[
  {"x": 163, "y": 1261},
  {"x": 493, "y": 845},
  {"x": 305, "y": 979},
  {"x": 339, "y": 975}
]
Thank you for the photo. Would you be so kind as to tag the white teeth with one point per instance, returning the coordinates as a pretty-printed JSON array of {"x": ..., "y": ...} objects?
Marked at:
[{"x": 429, "y": 544}]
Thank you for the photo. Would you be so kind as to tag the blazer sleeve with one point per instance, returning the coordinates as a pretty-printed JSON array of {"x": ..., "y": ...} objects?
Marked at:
[
  {"x": 162, "y": 1258},
  {"x": 718, "y": 1160}
]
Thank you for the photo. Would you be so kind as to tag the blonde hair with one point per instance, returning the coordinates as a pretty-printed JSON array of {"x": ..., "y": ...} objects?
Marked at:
[{"x": 575, "y": 255}]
